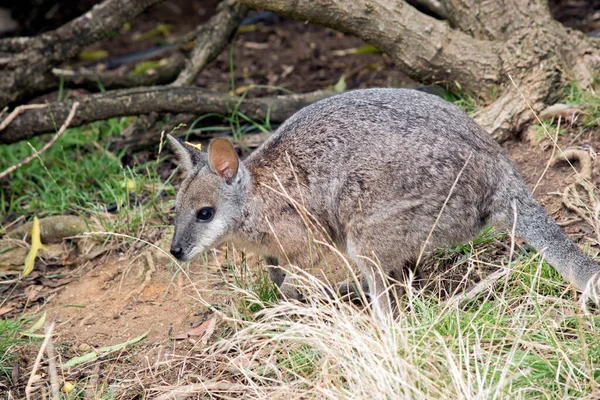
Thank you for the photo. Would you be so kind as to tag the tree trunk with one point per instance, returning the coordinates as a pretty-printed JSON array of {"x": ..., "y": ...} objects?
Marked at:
[{"x": 483, "y": 46}]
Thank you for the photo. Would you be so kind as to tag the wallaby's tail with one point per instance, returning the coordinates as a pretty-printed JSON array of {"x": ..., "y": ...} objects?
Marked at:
[{"x": 541, "y": 232}]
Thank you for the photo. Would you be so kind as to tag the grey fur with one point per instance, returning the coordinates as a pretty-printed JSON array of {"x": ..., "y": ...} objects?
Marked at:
[{"x": 374, "y": 168}]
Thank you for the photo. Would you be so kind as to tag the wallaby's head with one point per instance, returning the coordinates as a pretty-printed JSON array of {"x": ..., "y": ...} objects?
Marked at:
[{"x": 210, "y": 200}]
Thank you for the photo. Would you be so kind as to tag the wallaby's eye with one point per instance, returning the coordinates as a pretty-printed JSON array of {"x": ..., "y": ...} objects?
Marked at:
[{"x": 205, "y": 214}]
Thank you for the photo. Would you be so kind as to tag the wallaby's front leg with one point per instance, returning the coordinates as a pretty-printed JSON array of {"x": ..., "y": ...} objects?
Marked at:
[{"x": 284, "y": 281}]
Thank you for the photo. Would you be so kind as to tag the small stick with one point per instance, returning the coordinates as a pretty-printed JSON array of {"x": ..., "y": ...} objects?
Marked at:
[
  {"x": 13, "y": 114},
  {"x": 52, "y": 371},
  {"x": 481, "y": 286},
  {"x": 62, "y": 129},
  {"x": 38, "y": 359}
]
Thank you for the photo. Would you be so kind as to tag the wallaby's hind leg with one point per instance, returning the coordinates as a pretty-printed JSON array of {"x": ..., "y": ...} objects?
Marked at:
[{"x": 383, "y": 296}]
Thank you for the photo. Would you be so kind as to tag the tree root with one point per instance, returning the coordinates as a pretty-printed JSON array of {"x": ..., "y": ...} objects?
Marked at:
[{"x": 571, "y": 197}]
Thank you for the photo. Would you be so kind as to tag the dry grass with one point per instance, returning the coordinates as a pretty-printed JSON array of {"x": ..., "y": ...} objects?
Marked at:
[{"x": 528, "y": 339}]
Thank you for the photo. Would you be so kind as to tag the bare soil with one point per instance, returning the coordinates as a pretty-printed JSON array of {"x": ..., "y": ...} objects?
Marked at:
[{"x": 119, "y": 296}]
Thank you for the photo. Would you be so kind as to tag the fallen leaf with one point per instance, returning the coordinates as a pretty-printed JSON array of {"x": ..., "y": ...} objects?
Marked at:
[
  {"x": 158, "y": 30},
  {"x": 5, "y": 310},
  {"x": 101, "y": 351},
  {"x": 91, "y": 55},
  {"x": 340, "y": 86},
  {"x": 256, "y": 46},
  {"x": 36, "y": 245},
  {"x": 209, "y": 331},
  {"x": 37, "y": 325},
  {"x": 33, "y": 292},
  {"x": 356, "y": 50},
  {"x": 147, "y": 66},
  {"x": 202, "y": 329}
]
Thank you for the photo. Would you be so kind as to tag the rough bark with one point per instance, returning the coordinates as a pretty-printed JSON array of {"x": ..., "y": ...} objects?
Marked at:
[
  {"x": 483, "y": 46},
  {"x": 145, "y": 100},
  {"x": 26, "y": 63}
]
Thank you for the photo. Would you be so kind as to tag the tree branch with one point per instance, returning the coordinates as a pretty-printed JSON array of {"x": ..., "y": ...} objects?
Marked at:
[
  {"x": 427, "y": 49},
  {"x": 212, "y": 38},
  {"x": 144, "y": 100},
  {"x": 68, "y": 40}
]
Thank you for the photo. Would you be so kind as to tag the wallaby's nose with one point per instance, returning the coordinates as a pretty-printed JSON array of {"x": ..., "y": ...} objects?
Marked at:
[{"x": 177, "y": 252}]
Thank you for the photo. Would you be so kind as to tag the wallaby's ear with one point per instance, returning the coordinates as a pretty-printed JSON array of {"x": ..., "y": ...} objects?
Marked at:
[
  {"x": 223, "y": 159},
  {"x": 189, "y": 156}
]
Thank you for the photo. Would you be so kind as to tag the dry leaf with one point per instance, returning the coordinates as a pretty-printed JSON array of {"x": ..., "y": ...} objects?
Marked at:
[{"x": 5, "y": 310}]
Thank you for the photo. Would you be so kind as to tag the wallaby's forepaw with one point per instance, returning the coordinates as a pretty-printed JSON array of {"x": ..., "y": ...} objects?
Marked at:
[
  {"x": 348, "y": 291},
  {"x": 276, "y": 274},
  {"x": 290, "y": 292}
]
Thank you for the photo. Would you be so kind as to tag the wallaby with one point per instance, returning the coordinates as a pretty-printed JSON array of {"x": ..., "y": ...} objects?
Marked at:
[{"x": 376, "y": 169}]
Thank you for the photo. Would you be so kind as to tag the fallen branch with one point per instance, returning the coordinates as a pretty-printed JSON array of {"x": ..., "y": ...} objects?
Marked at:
[
  {"x": 143, "y": 100},
  {"x": 212, "y": 38},
  {"x": 26, "y": 62},
  {"x": 89, "y": 79},
  {"x": 62, "y": 129}
]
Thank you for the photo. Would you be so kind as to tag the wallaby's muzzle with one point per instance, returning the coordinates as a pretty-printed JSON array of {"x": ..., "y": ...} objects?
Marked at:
[{"x": 177, "y": 251}]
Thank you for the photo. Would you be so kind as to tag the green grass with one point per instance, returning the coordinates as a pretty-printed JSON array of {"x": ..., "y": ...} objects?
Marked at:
[
  {"x": 261, "y": 291},
  {"x": 586, "y": 118},
  {"x": 589, "y": 102},
  {"x": 10, "y": 336},
  {"x": 519, "y": 342},
  {"x": 79, "y": 175},
  {"x": 464, "y": 100}
]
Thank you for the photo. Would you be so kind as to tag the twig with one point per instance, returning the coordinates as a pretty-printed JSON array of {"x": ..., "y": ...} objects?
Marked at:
[
  {"x": 211, "y": 40},
  {"x": 38, "y": 359},
  {"x": 62, "y": 129},
  {"x": 182, "y": 392},
  {"x": 479, "y": 287},
  {"x": 18, "y": 110},
  {"x": 52, "y": 371}
]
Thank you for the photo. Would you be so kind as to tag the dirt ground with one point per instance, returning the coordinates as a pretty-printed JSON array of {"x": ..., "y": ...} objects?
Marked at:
[{"x": 120, "y": 296}]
